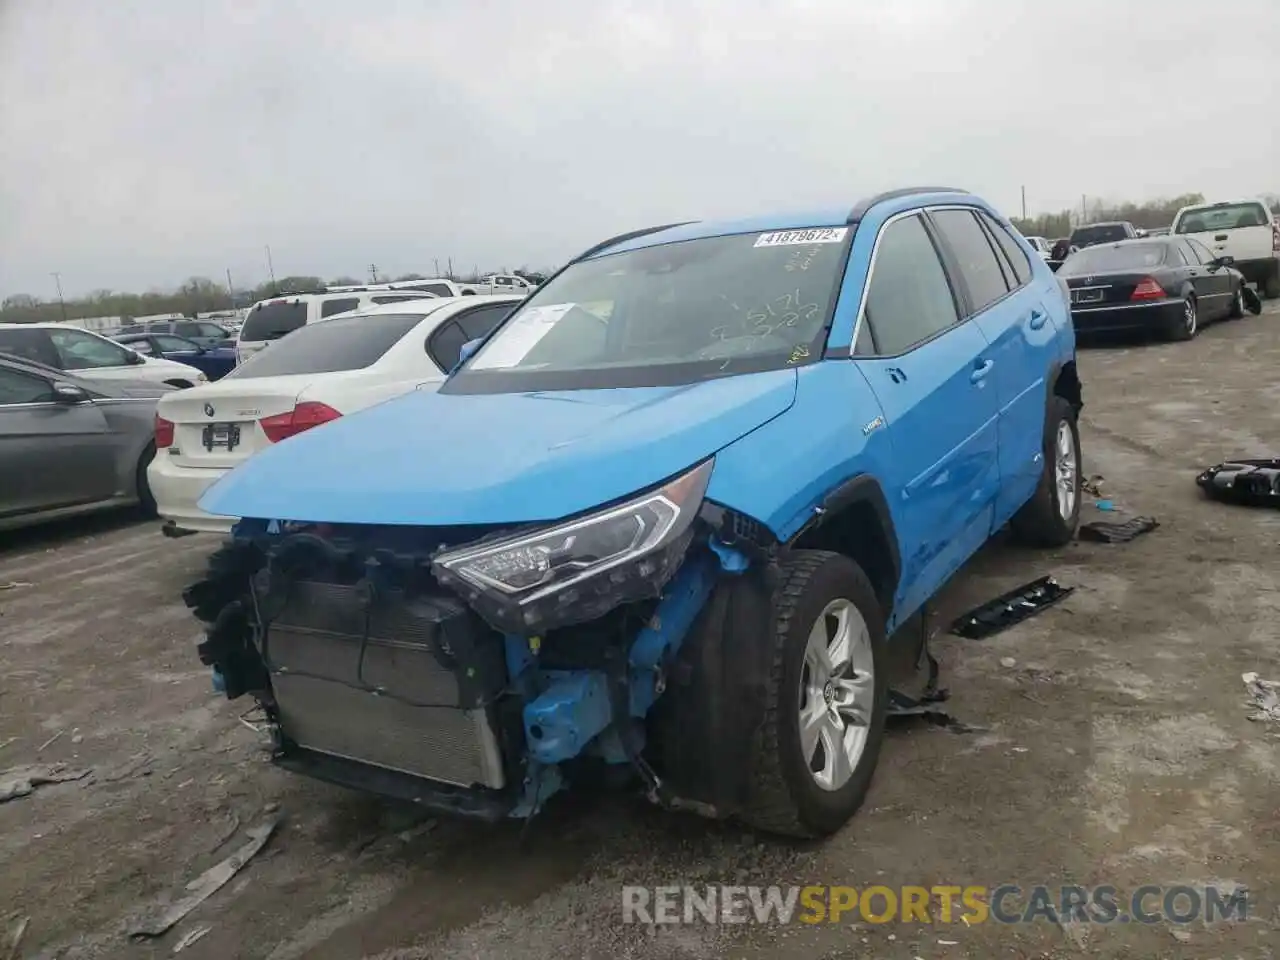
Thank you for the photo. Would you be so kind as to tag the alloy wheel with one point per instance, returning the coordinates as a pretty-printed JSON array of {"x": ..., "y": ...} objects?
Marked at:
[{"x": 837, "y": 694}]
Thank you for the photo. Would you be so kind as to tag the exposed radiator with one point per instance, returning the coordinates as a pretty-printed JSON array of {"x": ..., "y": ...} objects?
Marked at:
[{"x": 408, "y": 720}]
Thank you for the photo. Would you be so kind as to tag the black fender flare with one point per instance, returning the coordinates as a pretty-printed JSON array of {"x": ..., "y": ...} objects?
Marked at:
[{"x": 863, "y": 488}]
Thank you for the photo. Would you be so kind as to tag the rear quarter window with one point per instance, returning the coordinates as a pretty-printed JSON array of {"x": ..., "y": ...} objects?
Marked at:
[
  {"x": 344, "y": 343},
  {"x": 330, "y": 307},
  {"x": 273, "y": 320}
]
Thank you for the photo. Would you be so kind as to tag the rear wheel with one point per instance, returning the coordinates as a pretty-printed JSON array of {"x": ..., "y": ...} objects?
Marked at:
[
  {"x": 1237, "y": 303},
  {"x": 1270, "y": 288},
  {"x": 1050, "y": 517},
  {"x": 1187, "y": 324},
  {"x": 146, "y": 499},
  {"x": 826, "y": 699}
]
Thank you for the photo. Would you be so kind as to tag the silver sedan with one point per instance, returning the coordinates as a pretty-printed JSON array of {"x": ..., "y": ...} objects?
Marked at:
[{"x": 68, "y": 446}]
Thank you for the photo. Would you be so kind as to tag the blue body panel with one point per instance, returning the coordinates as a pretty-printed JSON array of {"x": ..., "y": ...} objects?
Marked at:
[
  {"x": 430, "y": 459},
  {"x": 215, "y": 362}
]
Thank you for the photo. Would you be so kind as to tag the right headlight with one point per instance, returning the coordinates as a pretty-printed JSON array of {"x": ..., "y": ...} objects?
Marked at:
[{"x": 578, "y": 570}]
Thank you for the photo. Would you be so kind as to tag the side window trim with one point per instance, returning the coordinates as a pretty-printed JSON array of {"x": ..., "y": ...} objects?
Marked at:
[
  {"x": 958, "y": 299},
  {"x": 1012, "y": 279}
]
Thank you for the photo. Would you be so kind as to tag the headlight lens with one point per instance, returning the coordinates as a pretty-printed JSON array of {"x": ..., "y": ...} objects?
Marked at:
[{"x": 534, "y": 565}]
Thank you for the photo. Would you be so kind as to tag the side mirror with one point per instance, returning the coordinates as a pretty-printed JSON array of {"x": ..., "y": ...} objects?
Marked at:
[
  {"x": 468, "y": 349},
  {"x": 1225, "y": 261},
  {"x": 64, "y": 392},
  {"x": 135, "y": 359}
]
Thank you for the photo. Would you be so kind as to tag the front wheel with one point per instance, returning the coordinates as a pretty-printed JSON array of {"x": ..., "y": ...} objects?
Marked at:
[
  {"x": 1050, "y": 517},
  {"x": 826, "y": 699},
  {"x": 1237, "y": 303}
]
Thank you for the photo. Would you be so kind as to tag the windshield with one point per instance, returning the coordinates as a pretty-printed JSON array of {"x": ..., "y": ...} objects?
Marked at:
[
  {"x": 270, "y": 321},
  {"x": 668, "y": 314},
  {"x": 1229, "y": 216},
  {"x": 1101, "y": 233},
  {"x": 343, "y": 343},
  {"x": 1128, "y": 256}
]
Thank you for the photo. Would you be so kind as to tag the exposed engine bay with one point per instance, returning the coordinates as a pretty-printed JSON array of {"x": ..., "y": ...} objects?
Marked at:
[{"x": 384, "y": 665}]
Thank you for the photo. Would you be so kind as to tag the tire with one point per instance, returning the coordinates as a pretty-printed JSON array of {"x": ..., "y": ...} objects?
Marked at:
[
  {"x": 785, "y": 794},
  {"x": 1237, "y": 303},
  {"x": 146, "y": 500},
  {"x": 1269, "y": 289},
  {"x": 1186, "y": 326},
  {"x": 1043, "y": 521}
]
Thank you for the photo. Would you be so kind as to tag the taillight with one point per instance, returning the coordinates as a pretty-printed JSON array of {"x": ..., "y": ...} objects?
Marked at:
[
  {"x": 164, "y": 433},
  {"x": 302, "y": 417},
  {"x": 1148, "y": 289}
]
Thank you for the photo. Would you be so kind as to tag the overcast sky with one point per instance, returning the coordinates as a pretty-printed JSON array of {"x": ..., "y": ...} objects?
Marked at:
[{"x": 145, "y": 141}]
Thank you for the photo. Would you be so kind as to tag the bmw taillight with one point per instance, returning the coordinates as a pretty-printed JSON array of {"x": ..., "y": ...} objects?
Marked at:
[
  {"x": 164, "y": 433},
  {"x": 302, "y": 417},
  {"x": 1148, "y": 289}
]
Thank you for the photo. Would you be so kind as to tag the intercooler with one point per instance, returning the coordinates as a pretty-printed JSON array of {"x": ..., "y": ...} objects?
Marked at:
[{"x": 386, "y": 680}]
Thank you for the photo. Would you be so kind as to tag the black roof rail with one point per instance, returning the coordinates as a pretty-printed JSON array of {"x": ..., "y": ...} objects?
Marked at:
[
  {"x": 861, "y": 207},
  {"x": 624, "y": 237}
]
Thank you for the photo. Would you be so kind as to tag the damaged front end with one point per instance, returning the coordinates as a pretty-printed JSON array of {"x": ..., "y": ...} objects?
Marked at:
[{"x": 471, "y": 670}]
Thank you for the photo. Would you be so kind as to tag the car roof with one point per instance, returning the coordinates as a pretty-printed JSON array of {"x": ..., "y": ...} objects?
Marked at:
[
  {"x": 431, "y": 305},
  {"x": 829, "y": 216},
  {"x": 46, "y": 325},
  {"x": 1105, "y": 223}
]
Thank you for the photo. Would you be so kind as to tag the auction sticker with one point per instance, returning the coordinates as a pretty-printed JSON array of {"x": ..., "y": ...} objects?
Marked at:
[
  {"x": 791, "y": 238},
  {"x": 520, "y": 335}
]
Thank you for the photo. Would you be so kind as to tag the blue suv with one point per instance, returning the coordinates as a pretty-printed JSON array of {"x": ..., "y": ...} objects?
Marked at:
[{"x": 666, "y": 520}]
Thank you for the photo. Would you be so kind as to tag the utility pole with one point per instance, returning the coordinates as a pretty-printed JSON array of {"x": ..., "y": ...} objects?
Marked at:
[
  {"x": 231, "y": 291},
  {"x": 271, "y": 267},
  {"x": 1084, "y": 208},
  {"x": 436, "y": 261},
  {"x": 451, "y": 268},
  {"x": 1024, "y": 203},
  {"x": 373, "y": 273},
  {"x": 57, "y": 279}
]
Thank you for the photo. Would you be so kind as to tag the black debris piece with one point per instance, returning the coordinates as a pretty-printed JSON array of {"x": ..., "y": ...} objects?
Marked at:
[
  {"x": 1252, "y": 302},
  {"x": 1010, "y": 608},
  {"x": 1109, "y": 531},
  {"x": 925, "y": 707},
  {"x": 1251, "y": 483}
]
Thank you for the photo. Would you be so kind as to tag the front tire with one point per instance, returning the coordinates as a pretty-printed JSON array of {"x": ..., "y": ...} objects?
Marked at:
[
  {"x": 1237, "y": 303},
  {"x": 1050, "y": 517},
  {"x": 826, "y": 699}
]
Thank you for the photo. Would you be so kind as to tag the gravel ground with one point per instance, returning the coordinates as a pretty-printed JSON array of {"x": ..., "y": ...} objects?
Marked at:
[{"x": 1117, "y": 748}]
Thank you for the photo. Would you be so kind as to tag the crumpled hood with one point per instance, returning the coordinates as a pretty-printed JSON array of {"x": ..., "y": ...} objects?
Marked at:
[{"x": 432, "y": 459}]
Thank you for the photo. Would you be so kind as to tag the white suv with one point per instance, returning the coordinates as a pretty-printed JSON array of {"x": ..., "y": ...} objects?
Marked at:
[
  {"x": 271, "y": 319},
  {"x": 1243, "y": 229}
]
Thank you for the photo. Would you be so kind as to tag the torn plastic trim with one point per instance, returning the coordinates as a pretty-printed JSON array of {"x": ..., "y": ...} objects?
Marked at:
[
  {"x": 1250, "y": 483},
  {"x": 1010, "y": 608}
]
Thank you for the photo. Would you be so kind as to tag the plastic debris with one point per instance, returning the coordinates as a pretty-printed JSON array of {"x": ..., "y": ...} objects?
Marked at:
[
  {"x": 1266, "y": 697},
  {"x": 190, "y": 937},
  {"x": 164, "y": 916},
  {"x": 1008, "y": 662},
  {"x": 1010, "y": 608},
  {"x": 1106, "y": 505},
  {"x": 23, "y": 781},
  {"x": 1107, "y": 531},
  {"x": 13, "y": 585},
  {"x": 1250, "y": 483},
  {"x": 1252, "y": 302}
]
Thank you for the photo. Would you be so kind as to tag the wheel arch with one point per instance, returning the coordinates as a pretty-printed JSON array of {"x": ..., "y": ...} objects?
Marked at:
[
  {"x": 854, "y": 519},
  {"x": 1064, "y": 380}
]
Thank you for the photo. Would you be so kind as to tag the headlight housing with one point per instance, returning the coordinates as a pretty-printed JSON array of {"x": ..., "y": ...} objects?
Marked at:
[{"x": 578, "y": 570}]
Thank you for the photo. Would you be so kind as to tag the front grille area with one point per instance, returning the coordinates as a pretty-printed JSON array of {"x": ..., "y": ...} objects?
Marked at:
[{"x": 398, "y": 706}]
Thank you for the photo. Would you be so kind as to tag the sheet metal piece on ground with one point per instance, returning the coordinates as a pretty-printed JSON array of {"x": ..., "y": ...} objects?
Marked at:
[
  {"x": 1109, "y": 531},
  {"x": 1251, "y": 483},
  {"x": 1010, "y": 608}
]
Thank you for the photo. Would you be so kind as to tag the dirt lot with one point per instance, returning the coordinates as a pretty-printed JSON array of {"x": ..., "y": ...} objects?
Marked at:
[{"x": 1118, "y": 748}]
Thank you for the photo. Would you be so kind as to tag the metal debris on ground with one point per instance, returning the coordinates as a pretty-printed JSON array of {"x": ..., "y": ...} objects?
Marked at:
[
  {"x": 50, "y": 742},
  {"x": 15, "y": 940},
  {"x": 23, "y": 781},
  {"x": 190, "y": 937},
  {"x": 1010, "y": 608},
  {"x": 162, "y": 917},
  {"x": 1250, "y": 483},
  {"x": 1106, "y": 531},
  {"x": 1265, "y": 695}
]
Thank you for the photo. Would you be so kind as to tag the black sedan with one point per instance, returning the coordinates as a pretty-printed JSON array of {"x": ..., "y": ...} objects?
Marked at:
[{"x": 1165, "y": 285}]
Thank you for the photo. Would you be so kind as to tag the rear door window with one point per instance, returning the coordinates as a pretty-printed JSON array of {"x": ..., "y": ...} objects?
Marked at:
[
  {"x": 170, "y": 344},
  {"x": 273, "y": 320},
  {"x": 83, "y": 351},
  {"x": 330, "y": 307},
  {"x": 189, "y": 329},
  {"x": 1014, "y": 254},
  {"x": 975, "y": 259},
  {"x": 344, "y": 343},
  {"x": 1201, "y": 251}
]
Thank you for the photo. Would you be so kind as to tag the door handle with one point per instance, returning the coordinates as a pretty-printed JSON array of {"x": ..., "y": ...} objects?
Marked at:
[
  {"x": 980, "y": 370},
  {"x": 1038, "y": 318}
]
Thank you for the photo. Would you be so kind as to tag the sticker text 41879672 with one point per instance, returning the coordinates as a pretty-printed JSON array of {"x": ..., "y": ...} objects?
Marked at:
[{"x": 788, "y": 238}]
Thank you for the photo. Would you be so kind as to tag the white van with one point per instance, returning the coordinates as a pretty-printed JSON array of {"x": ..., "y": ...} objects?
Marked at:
[
  {"x": 271, "y": 319},
  {"x": 1243, "y": 229}
]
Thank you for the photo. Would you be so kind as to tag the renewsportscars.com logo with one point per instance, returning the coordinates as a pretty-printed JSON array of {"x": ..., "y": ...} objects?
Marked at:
[{"x": 970, "y": 905}]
